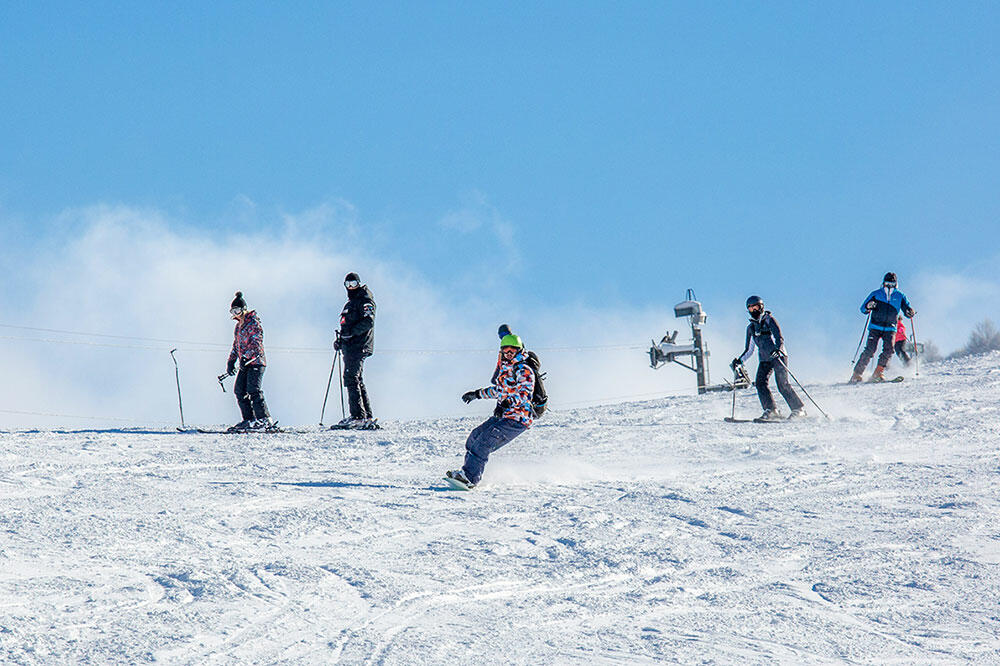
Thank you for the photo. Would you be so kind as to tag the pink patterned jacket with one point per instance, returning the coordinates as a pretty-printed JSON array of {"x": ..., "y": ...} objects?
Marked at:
[{"x": 248, "y": 342}]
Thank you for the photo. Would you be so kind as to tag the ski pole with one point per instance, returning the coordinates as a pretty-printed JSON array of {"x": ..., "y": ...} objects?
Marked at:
[
  {"x": 916, "y": 362},
  {"x": 862, "y": 340},
  {"x": 803, "y": 388},
  {"x": 328, "y": 382},
  {"x": 220, "y": 378},
  {"x": 340, "y": 376},
  {"x": 177, "y": 376}
]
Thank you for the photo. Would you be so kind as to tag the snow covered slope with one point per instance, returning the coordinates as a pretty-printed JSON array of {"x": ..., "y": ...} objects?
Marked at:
[{"x": 639, "y": 533}]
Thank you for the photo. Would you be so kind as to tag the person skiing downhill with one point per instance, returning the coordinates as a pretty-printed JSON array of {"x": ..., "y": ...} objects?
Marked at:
[
  {"x": 512, "y": 416},
  {"x": 356, "y": 341},
  {"x": 764, "y": 333},
  {"x": 248, "y": 353},
  {"x": 899, "y": 341},
  {"x": 884, "y": 305}
]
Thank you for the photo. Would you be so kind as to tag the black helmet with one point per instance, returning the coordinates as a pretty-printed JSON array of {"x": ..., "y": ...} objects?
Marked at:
[
  {"x": 755, "y": 300},
  {"x": 889, "y": 277}
]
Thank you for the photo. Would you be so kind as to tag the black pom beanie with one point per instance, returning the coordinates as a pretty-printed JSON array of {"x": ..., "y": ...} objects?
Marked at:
[{"x": 238, "y": 302}]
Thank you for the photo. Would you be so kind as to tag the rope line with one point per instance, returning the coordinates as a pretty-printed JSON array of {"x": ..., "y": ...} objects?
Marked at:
[{"x": 215, "y": 347}]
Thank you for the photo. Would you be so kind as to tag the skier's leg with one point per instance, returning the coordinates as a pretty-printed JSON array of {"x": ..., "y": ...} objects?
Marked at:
[
  {"x": 866, "y": 355},
  {"x": 242, "y": 399},
  {"x": 491, "y": 435},
  {"x": 763, "y": 390},
  {"x": 364, "y": 391},
  {"x": 255, "y": 375},
  {"x": 900, "y": 348},
  {"x": 886, "y": 355},
  {"x": 785, "y": 387},
  {"x": 352, "y": 380}
]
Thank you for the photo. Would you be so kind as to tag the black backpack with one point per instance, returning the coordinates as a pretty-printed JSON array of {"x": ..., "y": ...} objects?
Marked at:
[{"x": 539, "y": 398}]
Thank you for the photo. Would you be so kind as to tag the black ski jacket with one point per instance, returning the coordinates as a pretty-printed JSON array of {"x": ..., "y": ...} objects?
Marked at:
[
  {"x": 766, "y": 335},
  {"x": 357, "y": 322}
]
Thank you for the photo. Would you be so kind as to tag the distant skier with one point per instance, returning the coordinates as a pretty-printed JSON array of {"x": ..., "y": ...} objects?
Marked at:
[
  {"x": 884, "y": 304},
  {"x": 513, "y": 414},
  {"x": 764, "y": 333},
  {"x": 899, "y": 342},
  {"x": 248, "y": 352},
  {"x": 356, "y": 341}
]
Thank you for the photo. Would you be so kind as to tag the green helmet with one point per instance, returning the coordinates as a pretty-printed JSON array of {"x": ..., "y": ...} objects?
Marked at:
[{"x": 511, "y": 340}]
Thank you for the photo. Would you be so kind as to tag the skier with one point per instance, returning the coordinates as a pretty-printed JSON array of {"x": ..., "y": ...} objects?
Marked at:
[
  {"x": 764, "y": 333},
  {"x": 899, "y": 342},
  {"x": 248, "y": 351},
  {"x": 513, "y": 414},
  {"x": 884, "y": 305},
  {"x": 356, "y": 341}
]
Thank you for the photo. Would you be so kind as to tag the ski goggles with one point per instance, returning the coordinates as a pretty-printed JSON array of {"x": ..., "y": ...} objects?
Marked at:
[
  {"x": 236, "y": 311},
  {"x": 891, "y": 285},
  {"x": 511, "y": 351},
  {"x": 352, "y": 284}
]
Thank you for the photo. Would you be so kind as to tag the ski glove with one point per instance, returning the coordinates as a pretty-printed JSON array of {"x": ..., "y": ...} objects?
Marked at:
[
  {"x": 909, "y": 313},
  {"x": 231, "y": 367},
  {"x": 336, "y": 344},
  {"x": 501, "y": 408},
  {"x": 870, "y": 305},
  {"x": 469, "y": 396},
  {"x": 777, "y": 353},
  {"x": 736, "y": 362}
]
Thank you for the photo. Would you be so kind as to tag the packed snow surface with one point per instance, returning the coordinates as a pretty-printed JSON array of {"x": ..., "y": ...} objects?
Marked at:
[{"x": 635, "y": 533}]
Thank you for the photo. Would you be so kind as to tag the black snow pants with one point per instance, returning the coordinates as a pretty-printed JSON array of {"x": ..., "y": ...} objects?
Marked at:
[
  {"x": 764, "y": 370},
  {"x": 900, "y": 348},
  {"x": 249, "y": 394},
  {"x": 873, "y": 339},
  {"x": 357, "y": 396}
]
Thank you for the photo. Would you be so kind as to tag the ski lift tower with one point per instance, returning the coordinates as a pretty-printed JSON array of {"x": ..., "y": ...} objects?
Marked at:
[{"x": 668, "y": 351}]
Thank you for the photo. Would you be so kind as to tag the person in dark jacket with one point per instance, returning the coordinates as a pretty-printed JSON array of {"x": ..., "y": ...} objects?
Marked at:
[
  {"x": 884, "y": 306},
  {"x": 764, "y": 333},
  {"x": 356, "y": 341},
  {"x": 248, "y": 354}
]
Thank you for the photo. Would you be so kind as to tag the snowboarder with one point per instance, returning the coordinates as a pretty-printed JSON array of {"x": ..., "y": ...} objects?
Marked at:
[
  {"x": 899, "y": 342},
  {"x": 764, "y": 333},
  {"x": 356, "y": 341},
  {"x": 513, "y": 414},
  {"x": 248, "y": 352},
  {"x": 884, "y": 305}
]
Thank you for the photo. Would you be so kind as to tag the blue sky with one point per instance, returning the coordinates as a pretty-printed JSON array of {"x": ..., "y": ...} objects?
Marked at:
[{"x": 539, "y": 155}]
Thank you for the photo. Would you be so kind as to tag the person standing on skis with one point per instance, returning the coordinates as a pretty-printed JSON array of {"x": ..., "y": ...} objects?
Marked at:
[
  {"x": 899, "y": 342},
  {"x": 248, "y": 353},
  {"x": 764, "y": 333},
  {"x": 356, "y": 341},
  {"x": 513, "y": 414},
  {"x": 884, "y": 306}
]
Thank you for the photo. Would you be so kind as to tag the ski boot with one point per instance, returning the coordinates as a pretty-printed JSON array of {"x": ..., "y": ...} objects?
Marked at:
[
  {"x": 265, "y": 424},
  {"x": 371, "y": 424},
  {"x": 349, "y": 423},
  {"x": 856, "y": 378},
  {"x": 242, "y": 426},
  {"x": 769, "y": 415},
  {"x": 458, "y": 476},
  {"x": 877, "y": 377},
  {"x": 797, "y": 414}
]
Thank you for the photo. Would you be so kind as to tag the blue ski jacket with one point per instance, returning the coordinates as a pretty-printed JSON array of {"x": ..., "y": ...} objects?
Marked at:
[
  {"x": 888, "y": 303},
  {"x": 765, "y": 334}
]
